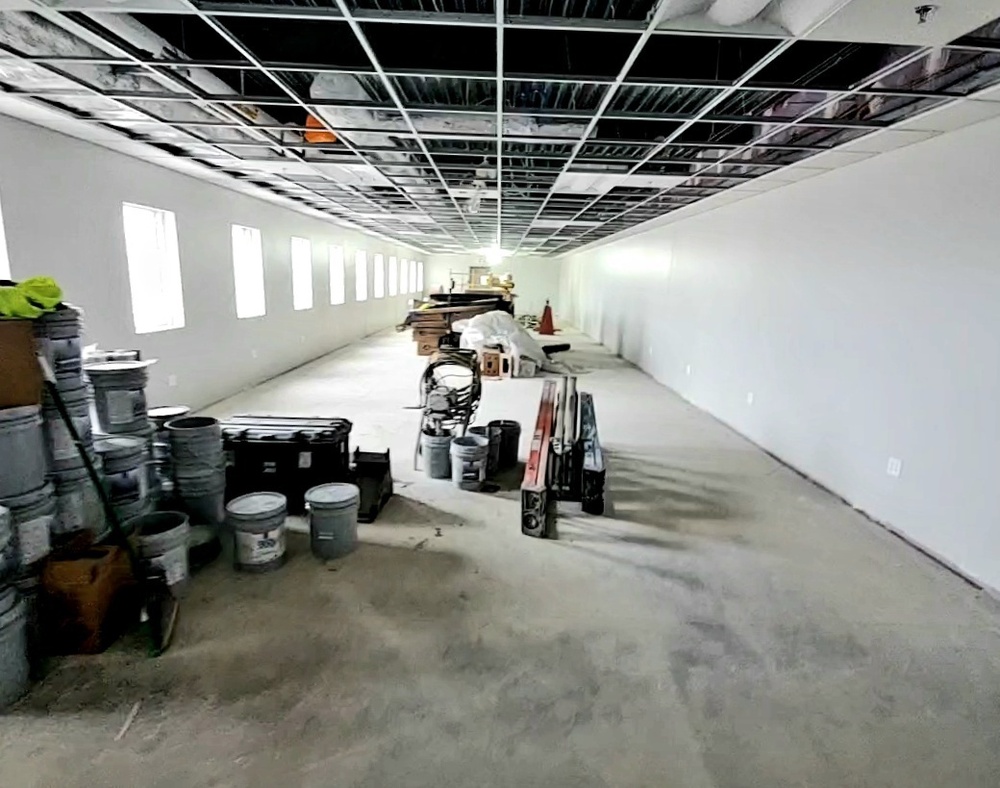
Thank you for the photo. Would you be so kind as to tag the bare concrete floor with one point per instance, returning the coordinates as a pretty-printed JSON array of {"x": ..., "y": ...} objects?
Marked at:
[{"x": 730, "y": 626}]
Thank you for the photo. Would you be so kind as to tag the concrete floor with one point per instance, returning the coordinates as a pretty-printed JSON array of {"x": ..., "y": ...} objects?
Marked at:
[{"x": 730, "y": 626}]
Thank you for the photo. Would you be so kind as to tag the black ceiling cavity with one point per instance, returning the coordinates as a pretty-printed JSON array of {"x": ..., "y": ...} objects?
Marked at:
[{"x": 393, "y": 117}]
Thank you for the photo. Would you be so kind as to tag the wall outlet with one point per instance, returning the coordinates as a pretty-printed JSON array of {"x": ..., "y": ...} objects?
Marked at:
[
  {"x": 171, "y": 380},
  {"x": 253, "y": 353},
  {"x": 687, "y": 370},
  {"x": 302, "y": 339},
  {"x": 894, "y": 467},
  {"x": 749, "y": 398}
]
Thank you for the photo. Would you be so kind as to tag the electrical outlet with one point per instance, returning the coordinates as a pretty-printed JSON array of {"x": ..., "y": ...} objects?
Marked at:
[
  {"x": 687, "y": 370},
  {"x": 171, "y": 380},
  {"x": 749, "y": 398},
  {"x": 302, "y": 339},
  {"x": 253, "y": 353},
  {"x": 894, "y": 467}
]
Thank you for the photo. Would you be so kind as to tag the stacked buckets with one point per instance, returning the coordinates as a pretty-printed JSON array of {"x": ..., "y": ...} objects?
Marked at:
[{"x": 199, "y": 468}]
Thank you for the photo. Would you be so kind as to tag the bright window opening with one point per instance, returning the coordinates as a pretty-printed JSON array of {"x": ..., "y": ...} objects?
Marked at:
[
  {"x": 360, "y": 275},
  {"x": 338, "y": 285},
  {"x": 420, "y": 278},
  {"x": 413, "y": 276},
  {"x": 4, "y": 259},
  {"x": 393, "y": 277},
  {"x": 154, "y": 268},
  {"x": 404, "y": 276},
  {"x": 302, "y": 274},
  {"x": 248, "y": 272},
  {"x": 378, "y": 280}
]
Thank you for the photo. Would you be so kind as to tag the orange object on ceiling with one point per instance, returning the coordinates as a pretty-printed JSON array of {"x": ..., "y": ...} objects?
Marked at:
[{"x": 321, "y": 133}]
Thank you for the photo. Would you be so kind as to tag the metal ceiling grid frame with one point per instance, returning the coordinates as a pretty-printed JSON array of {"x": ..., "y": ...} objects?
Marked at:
[{"x": 533, "y": 126}]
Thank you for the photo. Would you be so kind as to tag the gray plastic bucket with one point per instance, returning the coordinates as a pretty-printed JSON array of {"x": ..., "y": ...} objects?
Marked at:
[
  {"x": 126, "y": 514},
  {"x": 61, "y": 447},
  {"x": 258, "y": 525},
  {"x": 78, "y": 506},
  {"x": 493, "y": 435},
  {"x": 120, "y": 395},
  {"x": 124, "y": 471},
  {"x": 32, "y": 515},
  {"x": 201, "y": 493},
  {"x": 435, "y": 451},
  {"x": 195, "y": 441},
  {"x": 58, "y": 336},
  {"x": 163, "y": 543},
  {"x": 333, "y": 519},
  {"x": 21, "y": 438},
  {"x": 9, "y": 559},
  {"x": 469, "y": 455},
  {"x": 14, "y": 667},
  {"x": 510, "y": 439}
]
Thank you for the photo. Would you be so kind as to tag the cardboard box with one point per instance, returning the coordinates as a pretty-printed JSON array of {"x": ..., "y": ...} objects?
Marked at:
[
  {"x": 427, "y": 348},
  {"x": 20, "y": 375},
  {"x": 428, "y": 334}
]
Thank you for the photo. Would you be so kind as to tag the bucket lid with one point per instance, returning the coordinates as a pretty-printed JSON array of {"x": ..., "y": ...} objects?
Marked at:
[
  {"x": 167, "y": 412},
  {"x": 335, "y": 495},
  {"x": 112, "y": 367},
  {"x": 119, "y": 447},
  {"x": 257, "y": 505},
  {"x": 30, "y": 498}
]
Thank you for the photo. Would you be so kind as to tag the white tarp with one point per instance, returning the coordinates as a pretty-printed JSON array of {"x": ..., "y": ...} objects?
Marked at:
[{"x": 500, "y": 329}]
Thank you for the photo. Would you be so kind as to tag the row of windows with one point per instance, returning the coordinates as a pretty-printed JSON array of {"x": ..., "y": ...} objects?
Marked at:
[{"x": 154, "y": 270}]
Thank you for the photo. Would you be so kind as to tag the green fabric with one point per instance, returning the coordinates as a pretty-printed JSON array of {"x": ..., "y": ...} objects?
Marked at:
[{"x": 31, "y": 298}]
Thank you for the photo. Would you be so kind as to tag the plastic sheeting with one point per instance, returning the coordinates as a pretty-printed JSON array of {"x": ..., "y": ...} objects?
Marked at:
[{"x": 498, "y": 328}]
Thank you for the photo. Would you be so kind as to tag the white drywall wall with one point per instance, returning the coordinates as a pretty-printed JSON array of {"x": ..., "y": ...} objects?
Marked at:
[
  {"x": 62, "y": 210},
  {"x": 861, "y": 310},
  {"x": 535, "y": 278}
]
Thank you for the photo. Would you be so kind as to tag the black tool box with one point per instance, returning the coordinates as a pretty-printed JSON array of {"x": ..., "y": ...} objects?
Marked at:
[
  {"x": 373, "y": 476},
  {"x": 284, "y": 454}
]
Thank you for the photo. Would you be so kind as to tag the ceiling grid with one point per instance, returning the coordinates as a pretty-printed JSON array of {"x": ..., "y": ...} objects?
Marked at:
[{"x": 530, "y": 125}]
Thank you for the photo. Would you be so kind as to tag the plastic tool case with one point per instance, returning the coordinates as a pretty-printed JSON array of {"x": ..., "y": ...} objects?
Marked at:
[{"x": 284, "y": 454}]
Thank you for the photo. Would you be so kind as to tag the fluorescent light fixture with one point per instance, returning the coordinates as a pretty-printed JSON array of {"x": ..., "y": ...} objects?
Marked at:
[{"x": 494, "y": 254}]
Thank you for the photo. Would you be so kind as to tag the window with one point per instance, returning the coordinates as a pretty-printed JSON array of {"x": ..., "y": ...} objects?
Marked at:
[
  {"x": 302, "y": 274},
  {"x": 338, "y": 286},
  {"x": 154, "y": 268},
  {"x": 404, "y": 276},
  {"x": 248, "y": 271},
  {"x": 393, "y": 277},
  {"x": 4, "y": 259},
  {"x": 413, "y": 276},
  {"x": 420, "y": 278},
  {"x": 360, "y": 275},
  {"x": 378, "y": 281}
]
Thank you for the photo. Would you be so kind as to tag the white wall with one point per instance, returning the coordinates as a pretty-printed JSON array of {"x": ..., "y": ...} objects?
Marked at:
[
  {"x": 62, "y": 210},
  {"x": 535, "y": 278},
  {"x": 861, "y": 308}
]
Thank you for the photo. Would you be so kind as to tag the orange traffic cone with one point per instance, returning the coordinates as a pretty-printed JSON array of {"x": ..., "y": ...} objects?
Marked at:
[{"x": 545, "y": 325}]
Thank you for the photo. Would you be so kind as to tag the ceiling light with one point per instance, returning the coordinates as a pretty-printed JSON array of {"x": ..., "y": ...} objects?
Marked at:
[{"x": 494, "y": 254}]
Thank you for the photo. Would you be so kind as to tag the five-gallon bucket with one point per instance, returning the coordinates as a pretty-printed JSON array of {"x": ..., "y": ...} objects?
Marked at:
[
  {"x": 195, "y": 441},
  {"x": 163, "y": 544},
  {"x": 469, "y": 455},
  {"x": 120, "y": 395},
  {"x": 61, "y": 446},
  {"x": 32, "y": 515},
  {"x": 333, "y": 519},
  {"x": 510, "y": 438},
  {"x": 435, "y": 451},
  {"x": 78, "y": 506},
  {"x": 14, "y": 668},
  {"x": 258, "y": 524},
  {"x": 21, "y": 439},
  {"x": 493, "y": 435},
  {"x": 122, "y": 458},
  {"x": 58, "y": 334}
]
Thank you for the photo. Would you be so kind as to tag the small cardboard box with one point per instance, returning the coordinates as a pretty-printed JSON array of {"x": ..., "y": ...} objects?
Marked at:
[
  {"x": 425, "y": 348},
  {"x": 20, "y": 375}
]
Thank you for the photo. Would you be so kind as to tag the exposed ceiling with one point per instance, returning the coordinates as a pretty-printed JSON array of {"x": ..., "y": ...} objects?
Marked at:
[{"x": 536, "y": 125}]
